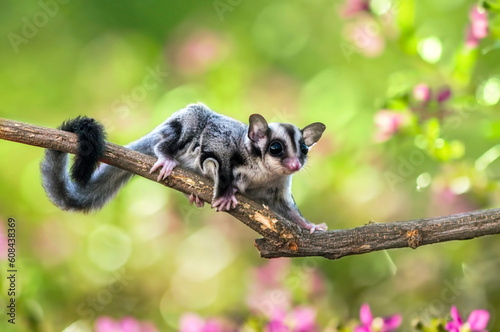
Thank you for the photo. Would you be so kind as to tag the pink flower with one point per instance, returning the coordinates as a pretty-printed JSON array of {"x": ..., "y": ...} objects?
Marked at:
[
  {"x": 470, "y": 40},
  {"x": 304, "y": 319},
  {"x": 444, "y": 94},
  {"x": 273, "y": 272},
  {"x": 199, "y": 50},
  {"x": 277, "y": 322},
  {"x": 365, "y": 35},
  {"x": 127, "y": 324},
  {"x": 316, "y": 284},
  {"x": 190, "y": 322},
  {"x": 479, "y": 22},
  {"x": 267, "y": 292},
  {"x": 353, "y": 7},
  {"x": 301, "y": 319},
  {"x": 378, "y": 324},
  {"x": 477, "y": 321},
  {"x": 478, "y": 27},
  {"x": 387, "y": 123},
  {"x": 105, "y": 324},
  {"x": 423, "y": 107},
  {"x": 422, "y": 92}
]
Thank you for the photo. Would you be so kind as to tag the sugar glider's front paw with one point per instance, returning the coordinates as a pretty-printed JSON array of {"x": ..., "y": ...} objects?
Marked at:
[
  {"x": 196, "y": 200},
  {"x": 313, "y": 227},
  {"x": 167, "y": 164},
  {"x": 225, "y": 202}
]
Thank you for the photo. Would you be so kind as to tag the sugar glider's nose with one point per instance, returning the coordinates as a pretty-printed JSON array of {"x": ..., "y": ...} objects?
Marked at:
[{"x": 292, "y": 164}]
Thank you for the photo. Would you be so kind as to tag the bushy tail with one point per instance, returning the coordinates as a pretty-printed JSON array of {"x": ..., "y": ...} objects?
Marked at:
[{"x": 86, "y": 189}]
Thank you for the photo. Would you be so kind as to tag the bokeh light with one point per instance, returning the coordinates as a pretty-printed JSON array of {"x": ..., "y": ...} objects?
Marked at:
[
  {"x": 409, "y": 92},
  {"x": 488, "y": 93},
  {"x": 430, "y": 49}
]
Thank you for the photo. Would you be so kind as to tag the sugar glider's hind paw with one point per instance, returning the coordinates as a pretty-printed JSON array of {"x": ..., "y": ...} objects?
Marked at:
[
  {"x": 313, "y": 227},
  {"x": 167, "y": 164},
  {"x": 302, "y": 222},
  {"x": 225, "y": 202},
  {"x": 196, "y": 200}
]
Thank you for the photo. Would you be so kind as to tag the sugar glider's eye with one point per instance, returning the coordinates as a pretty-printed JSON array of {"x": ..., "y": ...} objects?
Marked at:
[
  {"x": 304, "y": 148},
  {"x": 275, "y": 148}
]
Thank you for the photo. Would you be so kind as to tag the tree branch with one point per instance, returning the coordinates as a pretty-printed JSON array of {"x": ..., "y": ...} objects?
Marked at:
[{"x": 282, "y": 238}]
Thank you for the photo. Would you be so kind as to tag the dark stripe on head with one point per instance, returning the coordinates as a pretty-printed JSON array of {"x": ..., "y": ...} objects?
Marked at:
[
  {"x": 255, "y": 151},
  {"x": 269, "y": 134},
  {"x": 290, "y": 130}
]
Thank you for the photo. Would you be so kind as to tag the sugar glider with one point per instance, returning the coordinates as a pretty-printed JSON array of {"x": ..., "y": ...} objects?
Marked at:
[{"x": 257, "y": 160}]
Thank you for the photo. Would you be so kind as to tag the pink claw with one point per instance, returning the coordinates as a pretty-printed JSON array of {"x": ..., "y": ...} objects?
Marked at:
[
  {"x": 167, "y": 164},
  {"x": 313, "y": 227},
  {"x": 307, "y": 225},
  {"x": 196, "y": 200},
  {"x": 226, "y": 202}
]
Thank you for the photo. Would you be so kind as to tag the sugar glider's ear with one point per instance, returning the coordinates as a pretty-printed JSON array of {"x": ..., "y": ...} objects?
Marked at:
[
  {"x": 257, "y": 127},
  {"x": 312, "y": 133}
]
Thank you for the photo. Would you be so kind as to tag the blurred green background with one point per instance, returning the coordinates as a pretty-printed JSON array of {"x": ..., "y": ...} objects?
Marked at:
[{"x": 150, "y": 255}]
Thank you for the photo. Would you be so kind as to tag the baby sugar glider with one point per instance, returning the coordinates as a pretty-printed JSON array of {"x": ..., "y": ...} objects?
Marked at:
[{"x": 257, "y": 160}]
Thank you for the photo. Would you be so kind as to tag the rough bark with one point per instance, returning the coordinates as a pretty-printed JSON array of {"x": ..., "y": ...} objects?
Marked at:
[{"x": 282, "y": 238}]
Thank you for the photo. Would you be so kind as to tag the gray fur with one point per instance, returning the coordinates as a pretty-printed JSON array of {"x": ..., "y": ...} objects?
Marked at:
[
  {"x": 102, "y": 187},
  {"x": 235, "y": 155}
]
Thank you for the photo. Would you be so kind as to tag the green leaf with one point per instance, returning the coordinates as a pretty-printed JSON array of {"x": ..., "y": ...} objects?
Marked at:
[
  {"x": 397, "y": 104},
  {"x": 432, "y": 129},
  {"x": 406, "y": 15},
  {"x": 491, "y": 129},
  {"x": 465, "y": 61},
  {"x": 441, "y": 150},
  {"x": 457, "y": 149},
  {"x": 492, "y": 5},
  {"x": 494, "y": 28}
]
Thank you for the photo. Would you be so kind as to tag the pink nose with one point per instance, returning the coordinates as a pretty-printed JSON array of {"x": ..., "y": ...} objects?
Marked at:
[{"x": 292, "y": 164}]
